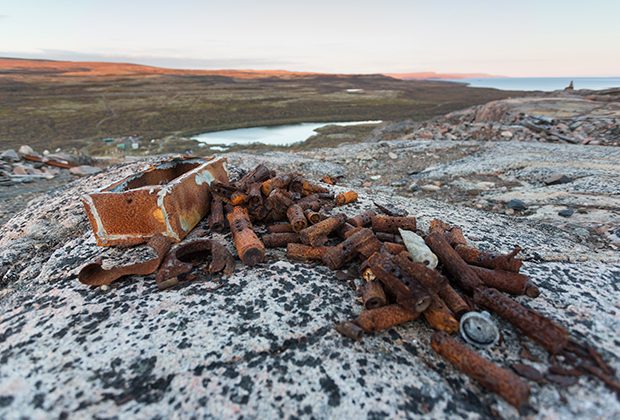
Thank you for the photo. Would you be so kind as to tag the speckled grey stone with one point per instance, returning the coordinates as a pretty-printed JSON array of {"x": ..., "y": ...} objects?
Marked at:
[{"x": 261, "y": 343}]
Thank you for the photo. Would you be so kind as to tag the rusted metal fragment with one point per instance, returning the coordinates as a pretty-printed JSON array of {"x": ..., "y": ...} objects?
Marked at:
[
  {"x": 362, "y": 220},
  {"x": 94, "y": 275},
  {"x": 363, "y": 242},
  {"x": 314, "y": 206},
  {"x": 259, "y": 174},
  {"x": 566, "y": 372},
  {"x": 392, "y": 248},
  {"x": 299, "y": 252},
  {"x": 279, "y": 240},
  {"x": 454, "y": 301},
  {"x": 345, "y": 198},
  {"x": 223, "y": 191},
  {"x": 440, "y": 317},
  {"x": 563, "y": 381},
  {"x": 250, "y": 249},
  {"x": 179, "y": 261},
  {"x": 385, "y": 317},
  {"x": 216, "y": 216},
  {"x": 350, "y": 330},
  {"x": 389, "y": 224},
  {"x": 169, "y": 199},
  {"x": 504, "y": 281},
  {"x": 455, "y": 237},
  {"x": 389, "y": 237},
  {"x": 347, "y": 230},
  {"x": 609, "y": 381},
  {"x": 535, "y": 326},
  {"x": 368, "y": 275},
  {"x": 490, "y": 260},
  {"x": 331, "y": 180},
  {"x": 453, "y": 264},
  {"x": 408, "y": 291},
  {"x": 276, "y": 183},
  {"x": 528, "y": 372},
  {"x": 391, "y": 210},
  {"x": 280, "y": 228},
  {"x": 238, "y": 198},
  {"x": 297, "y": 218},
  {"x": 439, "y": 226},
  {"x": 313, "y": 216},
  {"x": 432, "y": 280},
  {"x": 48, "y": 161},
  {"x": 316, "y": 235},
  {"x": 373, "y": 295},
  {"x": 494, "y": 378}
]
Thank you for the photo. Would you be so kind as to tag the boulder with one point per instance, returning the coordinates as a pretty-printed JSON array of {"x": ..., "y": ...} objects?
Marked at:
[{"x": 261, "y": 343}]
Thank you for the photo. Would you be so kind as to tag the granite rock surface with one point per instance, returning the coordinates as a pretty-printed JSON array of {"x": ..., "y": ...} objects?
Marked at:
[{"x": 261, "y": 343}]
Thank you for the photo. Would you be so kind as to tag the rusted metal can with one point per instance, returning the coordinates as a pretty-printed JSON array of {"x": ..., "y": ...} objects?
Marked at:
[
  {"x": 494, "y": 378},
  {"x": 169, "y": 199}
]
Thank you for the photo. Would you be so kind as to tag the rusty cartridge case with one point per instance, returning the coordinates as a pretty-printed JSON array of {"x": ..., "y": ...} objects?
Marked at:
[
  {"x": 314, "y": 206},
  {"x": 498, "y": 380},
  {"x": 440, "y": 317},
  {"x": 222, "y": 190},
  {"x": 348, "y": 232},
  {"x": 279, "y": 201},
  {"x": 255, "y": 196},
  {"x": 431, "y": 279},
  {"x": 350, "y": 330},
  {"x": 504, "y": 281},
  {"x": 454, "y": 301},
  {"x": 363, "y": 241},
  {"x": 392, "y": 248},
  {"x": 490, "y": 260},
  {"x": 259, "y": 174},
  {"x": 389, "y": 237},
  {"x": 297, "y": 184},
  {"x": 455, "y": 237},
  {"x": 250, "y": 249},
  {"x": 299, "y": 252},
  {"x": 453, "y": 263},
  {"x": 238, "y": 198},
  {"x": 346, "y": 198},
  {"x": 389, "y": 224},
  {"x": 540, "y": 329},
  {"x": 297, "y": 218},
  {"x": 385, "y": 317},
  {"x": 373, "y": 295},
  {"x": 280, "y": 240},
  {"x": 276, "y": 183},
  {"x": 310, "y": 188},
  {"x": 409, "y": 293},
  {"x": 344, "y": 229},
  {"x": 216, "y": 217},
  {"x": 362, "y": 220},
  {"x": 280, "y": 228},
  {"x": 531, "y": 289},
  {"x": 313, "y": 216},
  {"x": 316, "y": 235}
]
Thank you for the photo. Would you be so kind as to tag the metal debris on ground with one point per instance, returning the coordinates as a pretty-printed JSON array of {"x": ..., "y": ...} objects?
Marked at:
[{"x": 435, "y": 274}]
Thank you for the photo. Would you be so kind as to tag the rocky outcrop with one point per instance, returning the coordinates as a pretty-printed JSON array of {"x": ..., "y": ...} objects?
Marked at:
[{"x": 261, "y": 343}]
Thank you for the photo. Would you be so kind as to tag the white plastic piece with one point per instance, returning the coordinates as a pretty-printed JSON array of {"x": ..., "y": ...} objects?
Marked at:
[{"x": 417, "y": 248}]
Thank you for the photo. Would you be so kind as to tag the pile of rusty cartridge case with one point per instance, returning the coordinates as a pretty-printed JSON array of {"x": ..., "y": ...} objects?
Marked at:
[{"x": 406, "y": 273}]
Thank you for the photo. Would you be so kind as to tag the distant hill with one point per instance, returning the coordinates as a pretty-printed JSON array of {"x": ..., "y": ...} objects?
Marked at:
[
  {"x": 432, "y": 75},
  {"x": 50, "y": 68}
]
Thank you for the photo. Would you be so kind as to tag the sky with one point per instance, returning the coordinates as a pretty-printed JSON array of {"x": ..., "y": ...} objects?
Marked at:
[{"x": 542, "y": 38}]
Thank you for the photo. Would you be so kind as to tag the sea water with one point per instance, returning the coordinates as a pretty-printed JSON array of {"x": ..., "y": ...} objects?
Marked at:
[{"x": 546, "y": 84}]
